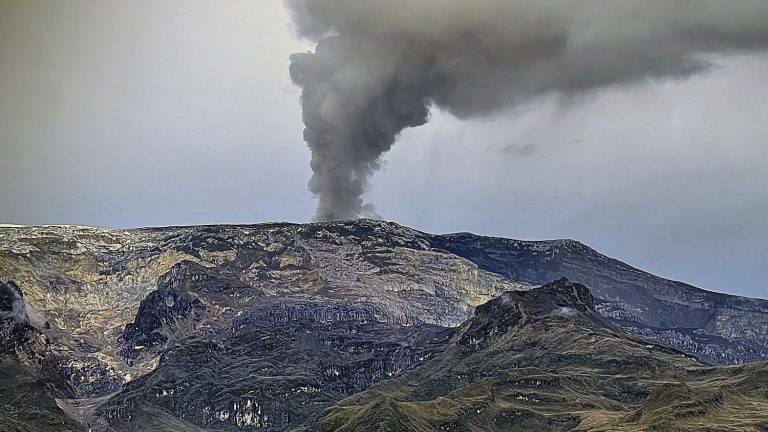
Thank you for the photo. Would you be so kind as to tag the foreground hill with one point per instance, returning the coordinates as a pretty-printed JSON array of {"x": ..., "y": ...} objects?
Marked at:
[
  {"x": 266, "y": 326},
  {"x": 546, "y": 360}
]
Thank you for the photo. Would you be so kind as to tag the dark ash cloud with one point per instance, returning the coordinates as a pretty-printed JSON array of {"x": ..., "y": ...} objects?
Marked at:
[{"x": 380, "y": 65}]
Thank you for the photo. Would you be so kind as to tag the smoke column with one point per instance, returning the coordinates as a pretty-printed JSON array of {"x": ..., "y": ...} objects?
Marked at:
[{"x": 380, "y": 65}]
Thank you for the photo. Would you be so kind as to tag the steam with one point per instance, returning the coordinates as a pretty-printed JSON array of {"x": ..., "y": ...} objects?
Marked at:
[{"x": 380, "y": 65}]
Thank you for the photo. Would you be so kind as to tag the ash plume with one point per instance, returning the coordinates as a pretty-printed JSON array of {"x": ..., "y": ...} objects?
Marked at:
[{"x": 380, "y": 65}]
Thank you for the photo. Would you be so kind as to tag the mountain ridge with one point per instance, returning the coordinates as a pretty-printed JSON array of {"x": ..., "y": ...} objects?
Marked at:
[
  {"x": 201, "y": 325},
  {"x": 521, "y": 364},
  {"x": 642, "y": 301},
  {"x": 557, "y": 241}
]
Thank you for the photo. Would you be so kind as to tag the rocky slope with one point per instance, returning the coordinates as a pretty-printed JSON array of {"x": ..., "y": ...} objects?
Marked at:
[
  {"x": 546, "y": 360},
  {"x": 718, "y": 327},
  {"x": 265, "y": 326}
]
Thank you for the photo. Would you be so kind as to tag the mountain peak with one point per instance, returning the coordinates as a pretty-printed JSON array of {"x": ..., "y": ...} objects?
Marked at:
[
  {"x": 560, "y": 298},
  {"x": 564, "y": 293},
  {"x": 558, "y": 295}
]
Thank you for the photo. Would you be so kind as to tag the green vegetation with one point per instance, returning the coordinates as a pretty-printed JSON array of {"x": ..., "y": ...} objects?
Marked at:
[
  {"x": 26, "y": 404},
  {"x": 556, "y": 372}
]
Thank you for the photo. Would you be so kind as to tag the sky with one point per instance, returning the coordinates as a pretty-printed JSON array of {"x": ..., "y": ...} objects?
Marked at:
[{"x": 127, "y": 114}]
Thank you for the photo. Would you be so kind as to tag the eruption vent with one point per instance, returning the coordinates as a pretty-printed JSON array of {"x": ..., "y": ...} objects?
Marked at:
[{"x": 379, "y": 65}]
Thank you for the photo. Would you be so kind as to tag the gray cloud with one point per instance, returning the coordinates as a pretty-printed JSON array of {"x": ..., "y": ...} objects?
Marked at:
[{"x": 380, "y": 65}]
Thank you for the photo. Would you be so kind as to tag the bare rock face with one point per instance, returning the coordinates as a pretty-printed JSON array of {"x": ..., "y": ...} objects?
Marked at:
[
  {"x": 264, "y": 326},
  {"x": 13, "y": 311},
  {"x": 170, "y": 309},
  {"x": 496, "y": 317},
  {"x": 275, "y": 367},
  {"x": 719, "y": 328}
]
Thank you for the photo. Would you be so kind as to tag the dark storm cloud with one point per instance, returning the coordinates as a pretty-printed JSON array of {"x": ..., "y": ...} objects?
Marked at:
[{"x": 379, "y": 65}]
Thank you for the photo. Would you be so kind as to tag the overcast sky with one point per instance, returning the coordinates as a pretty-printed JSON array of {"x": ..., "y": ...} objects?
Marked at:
[{"x": 125, "y": 114}]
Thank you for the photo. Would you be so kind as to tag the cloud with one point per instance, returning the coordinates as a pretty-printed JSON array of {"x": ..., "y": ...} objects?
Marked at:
[{"x": 380, "y": 65}]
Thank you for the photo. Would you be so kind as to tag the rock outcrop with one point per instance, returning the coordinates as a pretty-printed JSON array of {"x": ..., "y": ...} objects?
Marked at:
[
  {"x": 719, "y": 328},
  {"x": 545, "y": 360},
  {"x": 13, "y": 312}
]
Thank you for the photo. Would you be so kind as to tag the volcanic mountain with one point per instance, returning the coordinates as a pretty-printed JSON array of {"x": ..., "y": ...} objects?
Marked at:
[{"x": 359, "y": 325}]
